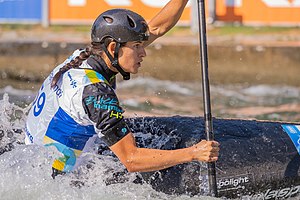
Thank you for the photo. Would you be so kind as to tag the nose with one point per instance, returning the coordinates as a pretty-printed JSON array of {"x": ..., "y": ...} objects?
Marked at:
[{"x": 143, "y": 52}]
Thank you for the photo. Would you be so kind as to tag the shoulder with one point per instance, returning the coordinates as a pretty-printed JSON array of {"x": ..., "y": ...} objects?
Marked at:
[
  {"x": 98, "y": 89},
  {"x": 74, "y": 55}
]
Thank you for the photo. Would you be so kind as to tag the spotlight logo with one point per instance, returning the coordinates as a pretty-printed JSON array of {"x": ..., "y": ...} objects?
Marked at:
[{"x": 233, "y": 183}]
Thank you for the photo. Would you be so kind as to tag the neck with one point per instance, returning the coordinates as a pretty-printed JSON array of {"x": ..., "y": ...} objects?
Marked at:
[{"x": 109, "y": 65}]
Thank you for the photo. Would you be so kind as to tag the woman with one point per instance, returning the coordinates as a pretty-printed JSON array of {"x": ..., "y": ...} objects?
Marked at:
[{"x": 77, "y": 102}]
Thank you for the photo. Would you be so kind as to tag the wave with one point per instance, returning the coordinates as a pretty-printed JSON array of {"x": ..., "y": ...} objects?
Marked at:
[{"x": 26, "y": 170}]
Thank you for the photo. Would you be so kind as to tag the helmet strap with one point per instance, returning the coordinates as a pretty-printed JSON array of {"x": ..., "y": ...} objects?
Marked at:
[{"x": 115, "y": 62}]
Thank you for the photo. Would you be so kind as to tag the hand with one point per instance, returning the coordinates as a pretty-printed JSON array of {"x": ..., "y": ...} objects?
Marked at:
[{"x": 206, "y": 151}]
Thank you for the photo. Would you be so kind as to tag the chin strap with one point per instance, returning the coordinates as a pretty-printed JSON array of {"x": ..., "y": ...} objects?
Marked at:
[{"x": 115, "y": 62}]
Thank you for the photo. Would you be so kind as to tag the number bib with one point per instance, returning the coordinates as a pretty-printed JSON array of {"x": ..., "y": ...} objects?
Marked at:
[{"x": 65, "y": 97}]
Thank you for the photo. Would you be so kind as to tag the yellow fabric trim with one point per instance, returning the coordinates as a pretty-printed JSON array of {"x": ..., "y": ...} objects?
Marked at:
[
  {"x": 93, "y": 76},
  {"x": 57, "y": 164},
  {"x": 77, "y": 152},
  {"x": 48, "y": 140}
]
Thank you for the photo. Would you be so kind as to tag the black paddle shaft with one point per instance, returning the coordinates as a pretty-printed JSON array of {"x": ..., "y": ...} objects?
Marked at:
[{"x": 206, "y": 94}]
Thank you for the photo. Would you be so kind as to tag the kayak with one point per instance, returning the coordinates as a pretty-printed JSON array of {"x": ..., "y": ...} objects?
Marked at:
[{"x": 258, "y": 159}]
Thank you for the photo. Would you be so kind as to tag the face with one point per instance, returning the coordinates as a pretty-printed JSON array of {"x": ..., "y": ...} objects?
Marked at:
[{"x": 131, "y": 56}]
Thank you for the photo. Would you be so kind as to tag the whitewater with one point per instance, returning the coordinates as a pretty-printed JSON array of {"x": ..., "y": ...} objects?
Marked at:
[{"x": 25, "y": 170}]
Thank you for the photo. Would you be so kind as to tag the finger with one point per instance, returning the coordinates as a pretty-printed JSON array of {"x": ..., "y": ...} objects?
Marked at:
[
  {"x": 215, "y": 149},
  {"x": 215, "y": 143},
  {"x": 214, "y": 154},
  {"x": 213, "y": 158}
]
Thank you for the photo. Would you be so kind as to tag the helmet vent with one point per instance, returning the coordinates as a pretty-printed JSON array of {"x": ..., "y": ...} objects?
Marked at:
[
  {"x": 108, "y": 19},
  {"x": 131, "y": 22}
]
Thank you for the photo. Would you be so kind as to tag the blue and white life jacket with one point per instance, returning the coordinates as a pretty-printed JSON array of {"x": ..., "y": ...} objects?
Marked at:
[{"x": 57, "y": 113}]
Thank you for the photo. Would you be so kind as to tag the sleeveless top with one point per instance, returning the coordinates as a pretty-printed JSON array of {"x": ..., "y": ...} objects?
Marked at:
[{"x": 64, "y": 113}]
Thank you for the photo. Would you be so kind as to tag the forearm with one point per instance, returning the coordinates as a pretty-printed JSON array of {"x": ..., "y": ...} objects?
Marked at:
[
  {"x": 143, "y": 160},
  {"x": 166, "y": 19}
]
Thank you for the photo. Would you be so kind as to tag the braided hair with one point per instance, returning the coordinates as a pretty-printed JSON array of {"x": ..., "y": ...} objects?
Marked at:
[{"x": 94, "y": 49}]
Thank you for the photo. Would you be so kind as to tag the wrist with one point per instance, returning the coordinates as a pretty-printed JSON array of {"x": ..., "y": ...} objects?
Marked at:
[{"x": 193, "y": 150}]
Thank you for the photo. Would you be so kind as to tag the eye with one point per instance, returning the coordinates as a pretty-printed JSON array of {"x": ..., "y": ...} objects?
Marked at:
[{"x": 137, "y": 45}]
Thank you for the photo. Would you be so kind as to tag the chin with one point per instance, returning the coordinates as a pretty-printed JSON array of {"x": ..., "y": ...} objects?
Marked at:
[{"x": 135, "y": 71}]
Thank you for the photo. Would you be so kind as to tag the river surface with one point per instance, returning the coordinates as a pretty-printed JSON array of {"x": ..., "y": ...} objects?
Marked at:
[
  {"x": 26, "y": 171},
  {"x": 144, "y": 96},
  {"x": 267, "y": 88}
]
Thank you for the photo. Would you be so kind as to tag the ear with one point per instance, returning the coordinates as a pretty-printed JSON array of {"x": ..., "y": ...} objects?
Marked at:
[{"x": 111, "y": 48}]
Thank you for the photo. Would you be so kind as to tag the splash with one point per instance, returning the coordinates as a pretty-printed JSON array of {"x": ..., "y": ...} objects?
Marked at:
[
  {"x": 12, "y": 119},
  {"x": 25, "y": 170},
  {"x": 11, "y": 115}
]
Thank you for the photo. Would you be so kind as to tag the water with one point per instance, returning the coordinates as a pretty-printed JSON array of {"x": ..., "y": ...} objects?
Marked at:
[
  {"x": 26, "y": 175},
  {"x": 156, "y": 97},
  {"x": 25, "y": 170}
]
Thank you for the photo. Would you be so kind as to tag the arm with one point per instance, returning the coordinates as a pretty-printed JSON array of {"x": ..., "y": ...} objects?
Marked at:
[
  {"x": 121, "y": 141},
  {"x": 142, "y": 159},
  {"x": 165, "y": 19}
]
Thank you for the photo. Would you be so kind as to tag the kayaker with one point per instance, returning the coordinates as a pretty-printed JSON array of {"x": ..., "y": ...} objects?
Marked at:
[{"x": 77, "y": 102}]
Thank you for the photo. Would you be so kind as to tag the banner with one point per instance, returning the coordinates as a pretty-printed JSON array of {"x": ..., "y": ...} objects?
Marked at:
[
  {"x": 247, "y": 12},
  {"x": 259, "y": 12},
  {"x": 267, "y": 12},
  {"x": 29, "y": 11},
  {"x": 86, "y": 11}
]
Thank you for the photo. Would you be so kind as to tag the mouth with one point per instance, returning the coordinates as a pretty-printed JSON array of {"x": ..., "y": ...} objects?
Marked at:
[{"x": 139, "y": 63}]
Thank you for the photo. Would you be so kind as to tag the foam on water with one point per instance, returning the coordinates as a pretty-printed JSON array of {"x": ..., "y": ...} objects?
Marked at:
[
  {"x": 26, "y": 175},
  {"x": 19, "y": 97},
  {"x": 157, "y": 86},
  {"x": 266, "y": 90},
  {"x": 25, "y": 170},
  {"x": 241, "y": 92},
  {"x": 158, "y": 97}
]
